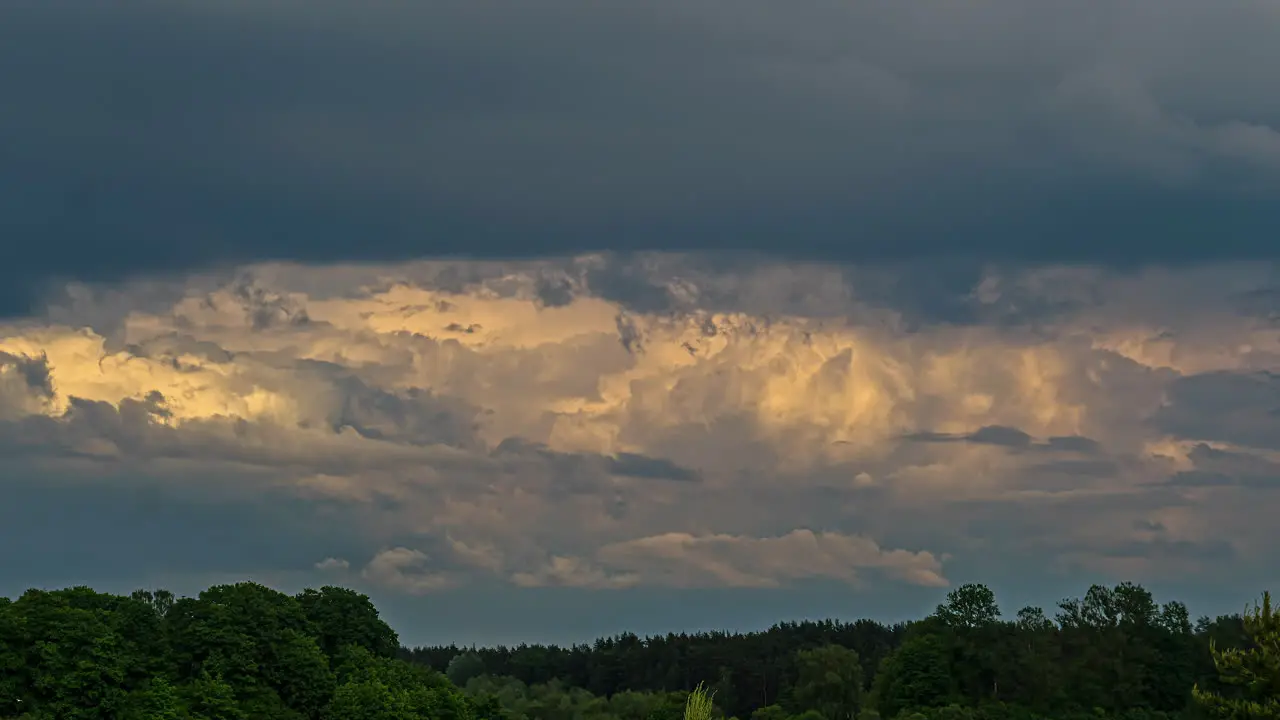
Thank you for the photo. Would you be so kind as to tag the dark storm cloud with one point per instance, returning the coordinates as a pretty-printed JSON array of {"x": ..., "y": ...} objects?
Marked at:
[
  {"x": 987, "y": 435},
  {"x": 998, "y": 435},
  {"x": 1225, "y": 468},
  {"x": 148, "y": 136},
  {"x": 102, "y": 432},
  {"x": 643, "y": 466},
  {"x": 1074, "y": 470},
  {"x": 34, "y": 372},
  {"x": 587, "y": 473},
  {"x": 1240, "y": 408},
  {"x": 414, "y": 416},
  {"x": 1074, "y": 443}
]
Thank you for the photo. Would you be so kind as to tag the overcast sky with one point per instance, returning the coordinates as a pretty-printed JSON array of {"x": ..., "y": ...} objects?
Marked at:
[{"x": 549, "y": 319}]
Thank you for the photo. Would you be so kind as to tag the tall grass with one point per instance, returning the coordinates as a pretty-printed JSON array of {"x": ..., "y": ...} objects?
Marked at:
[{"x": 698, "y": 707}]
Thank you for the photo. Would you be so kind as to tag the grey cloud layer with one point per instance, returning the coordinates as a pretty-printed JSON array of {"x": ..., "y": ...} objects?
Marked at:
[
  {"x": 154, "y": 136},
  {"x": 723, "y": 422}
]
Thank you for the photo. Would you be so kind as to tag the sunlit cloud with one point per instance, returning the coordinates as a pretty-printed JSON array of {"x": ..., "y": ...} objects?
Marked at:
[{"x": 545, "y": 424}]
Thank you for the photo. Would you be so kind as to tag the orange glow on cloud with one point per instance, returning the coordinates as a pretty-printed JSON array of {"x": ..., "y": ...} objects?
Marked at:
[{"x": 409, "y": 390}]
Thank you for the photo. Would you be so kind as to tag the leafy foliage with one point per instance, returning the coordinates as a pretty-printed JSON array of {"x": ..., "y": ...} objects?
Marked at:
[
  {"x": 235, "y": 652},
  {"x": 1112, "y": 653},
  {"x": 829, "y": 681},
  {"x": 1253, "y": 672},
  {"x": 245, "y": 651}
]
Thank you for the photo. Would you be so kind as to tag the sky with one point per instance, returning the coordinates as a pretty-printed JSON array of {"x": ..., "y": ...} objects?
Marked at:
[{"x": 543, "y": 321}]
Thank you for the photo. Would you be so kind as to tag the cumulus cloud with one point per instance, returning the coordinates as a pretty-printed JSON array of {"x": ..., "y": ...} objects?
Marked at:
[
  {"x": 401, "y": 568},
  {"x": 737, "y": 424},
  {"x": 684, "y": 560},
  {"x": 333, "y": 564},
  {"x": 562, "y": 571},
  {"x": 24, "y": 384}
]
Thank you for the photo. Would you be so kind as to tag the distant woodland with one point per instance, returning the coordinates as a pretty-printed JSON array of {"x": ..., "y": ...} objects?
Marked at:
[{"x": 245, "y": 651}]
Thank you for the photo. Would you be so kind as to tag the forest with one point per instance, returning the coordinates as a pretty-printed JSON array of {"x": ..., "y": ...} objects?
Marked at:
[{"x": 246, "y": 651}]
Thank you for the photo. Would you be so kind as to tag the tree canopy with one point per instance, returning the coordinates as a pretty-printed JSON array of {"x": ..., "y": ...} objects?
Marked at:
[
  {"x": 245, "y": 651},
  {"x": 235, "y": 652}
]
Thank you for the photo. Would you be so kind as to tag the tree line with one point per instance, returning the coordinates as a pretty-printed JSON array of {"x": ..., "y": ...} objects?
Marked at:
[
  {"x": 1115, "y": 652},
  {"x": 245, "y": 651},
  {"x": 234, "y": 652}
]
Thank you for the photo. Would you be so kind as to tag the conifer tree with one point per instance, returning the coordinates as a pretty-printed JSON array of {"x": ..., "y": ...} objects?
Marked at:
[{"x": 1254, "y": 672}]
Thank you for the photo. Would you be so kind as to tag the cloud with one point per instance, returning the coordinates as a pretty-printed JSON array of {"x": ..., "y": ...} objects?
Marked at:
[
  {"x": 24, "y": 383},
  {"x": 641, "y": 466},
  {"x": 684, "y": 560},
  {"x": 1015, "y": 131},
  {"x": 561, "y": 571},
  {"x": 407, "y": 570},
  {"x": 435, "y": 426},
  {"x": 331, "y": 564},
  {"x": 986, "y": 435},
  {"x": 1213, "y": 467},
  {"x": 1231, "y": 406}
]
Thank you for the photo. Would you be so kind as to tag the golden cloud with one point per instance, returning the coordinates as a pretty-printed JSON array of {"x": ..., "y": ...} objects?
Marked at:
[{"x": 528, "y": 431}]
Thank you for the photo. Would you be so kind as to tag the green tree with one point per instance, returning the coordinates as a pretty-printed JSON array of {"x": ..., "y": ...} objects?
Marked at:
[
  {"x": 159, "y": 700},
  {"x": 669, "y": 706},
  {"x": 1254, "y": 672},
  {"x": 829, "y": 680},
  {"x": 969, "y": 606},
  {"x": 369, "y": 700},
  {"x": 246, "y": 651},
  {"x": 345, "y": 617},
  {"x": 971, "y": 619},
  {"x": 209, "y": 697},
  {"x": 376, "y": 687},
  {"x": 769, "y": 712},
  {"x": 1031, "y": 667},
  {"x": 12, "y": 663},
  {"x": 464, "y": 667},
  {"x": 299, "y": 673},
  {"x": 256, "y": 639},
  {"x": 160, "y": 601},
  {"x": 76, "y": 663},
  {"x": 916, "y": 675}
]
